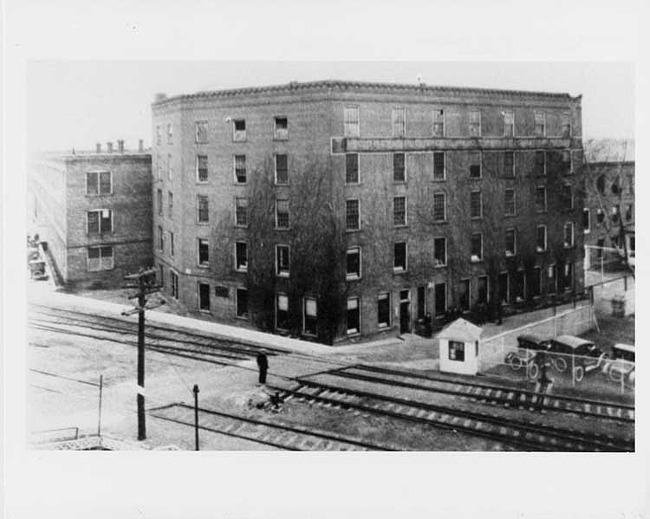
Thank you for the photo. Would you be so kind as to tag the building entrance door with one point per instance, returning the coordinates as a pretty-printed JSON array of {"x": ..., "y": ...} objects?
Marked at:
[{"x": 404, "y": 311}]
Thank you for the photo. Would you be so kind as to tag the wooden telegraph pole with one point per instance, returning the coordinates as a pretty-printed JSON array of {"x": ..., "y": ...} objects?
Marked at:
[{"x": 145, "y": 282}]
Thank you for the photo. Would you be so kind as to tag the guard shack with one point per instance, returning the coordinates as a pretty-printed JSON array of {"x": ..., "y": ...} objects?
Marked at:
[{"x": 459, "y": 344}]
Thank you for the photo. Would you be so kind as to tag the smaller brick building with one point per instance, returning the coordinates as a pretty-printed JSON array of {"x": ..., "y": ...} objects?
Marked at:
[
  {"x": 93, "y": 212},
  {"x": 608, "y": 218}
]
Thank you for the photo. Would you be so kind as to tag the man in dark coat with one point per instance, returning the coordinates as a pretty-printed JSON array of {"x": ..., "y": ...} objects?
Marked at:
[{"x": 263, "y": 365}]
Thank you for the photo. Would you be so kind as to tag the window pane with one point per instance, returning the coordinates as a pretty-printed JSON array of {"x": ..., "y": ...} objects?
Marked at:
[
  {"x": 439, "y": 165},
  {"x": 352, "y": 168},
  {"x": 353, "y": 266},
  {"x": 399, "y": 210},
  {"x": 477, "y": 246},
  {"x": 400, "y": 256},
  {"x": 476, "y": 209},
  {"x": 93, "y": 221},
  {"x": 92, "y": 184},
  {"x": 202, "y": 167},
  {"x": 240, "y": 168},
  {"x": 439, "y": 209},
  {"x": 105, "y": 183},
  {"x": 352, "y": 214},
  {"x": 204, "y": 214},
  {"x": 399, "y": 172},
  {"x": 282, "y": 214},
  {"x": 241, "y": 211},
  {"x": 281, "y": 169},
  {"x": 440, "y": 252},
  {"x": 242, "y": 302},
  {"x": 383, "y": 310},
  {"x": 241, "y": 254}
]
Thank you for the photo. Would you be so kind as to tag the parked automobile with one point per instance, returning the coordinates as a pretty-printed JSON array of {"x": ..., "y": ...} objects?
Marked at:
[
  {"x": 583, "y": 355},
  {"x": 533, "y": 342},
  {"x": 523, "y": 358},
  {"x": 621, "y": 365}
]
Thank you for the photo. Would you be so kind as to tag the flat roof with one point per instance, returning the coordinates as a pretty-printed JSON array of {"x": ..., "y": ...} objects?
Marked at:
[{"x": 360, "y": 86}]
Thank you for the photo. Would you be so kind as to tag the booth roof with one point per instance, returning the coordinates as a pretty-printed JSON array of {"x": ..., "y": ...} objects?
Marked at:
[{"x": 461, "y": 330}]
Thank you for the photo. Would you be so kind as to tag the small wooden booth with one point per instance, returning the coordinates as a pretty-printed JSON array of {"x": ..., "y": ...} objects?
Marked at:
[{"x": 459, "y": 344}]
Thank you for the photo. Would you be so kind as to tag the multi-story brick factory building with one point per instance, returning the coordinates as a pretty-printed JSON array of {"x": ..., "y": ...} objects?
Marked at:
[
  {"x": 608, "y": 218},
  {"x": 338, "y": 209},
  {"x": 94, "y": 213}
]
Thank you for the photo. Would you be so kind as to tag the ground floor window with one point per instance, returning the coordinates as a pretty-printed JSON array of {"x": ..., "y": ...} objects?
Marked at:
[
  {"x": 282, "y": 312},
  {"x": 383, "y": 310},
  {"x": 568, "y": 276},
  {"x": 482, "y": 289},
  {"x": 422, "y": 302},
  {"x": 551, "y": 282},
  {"x": 536, "y": 286},
  {"x": 440, "y": 295},
  {"x": 242, "y": 302},
  {"x": 520, "y": 285},
  {"x": 204, "y": 297},
  {"x": 463, "y": 294},
  {"x": 173, "y": 283},
  {"x": 504, "y": 288},
  {"x": 161, "y": 275},
  {"x": 456, "y": 351},
  {"x": 310, "y": 324},
  {"x": 100, "y": 258},
  {"x": 353, "y": 315}
]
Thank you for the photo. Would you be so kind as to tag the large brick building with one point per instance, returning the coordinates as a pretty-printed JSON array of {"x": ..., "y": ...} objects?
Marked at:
[
  {"x": 93, "y": 212},
  {"x": 426, "y": 198},
  {"x": 608, "y": 218}
]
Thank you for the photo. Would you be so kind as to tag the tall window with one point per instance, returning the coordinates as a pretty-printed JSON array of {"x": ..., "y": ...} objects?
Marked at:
[
  {"x": 99, "y": 183},
  {"x": 383, "y": 310},
  {"x": 352, "y": 316},
  {"x": 242, "y": 302},
  {"x": 281, "y": 169},
  {"x": 170, "y": 204},
  {"x": 201, "y": 132},
  {"x": 203, "y": 209},
  {"x": 476, "y": 204},
  {"x": 600, "y": 216},
  {"x": 159, "y": 202},
  {"x": 351, "y": 121},
  {"x": 568, "y": 276},
  {"x": 171, "y": 243},
  {"x": 509, "y": 204},
  {"x": 508, "y": 123},
  {"x": 241, "y": 212},
  {"x": 551, "y": 282},
  {"x": 457, "y": 351},
  {"x": 170, "y": 134},
  {"x": 239, "y": 130},
  {"x": 440, "y": 252},
  {"x": 282, "y": 260},
  {"x": 536, "y": 288},
  {"x": 541, "y": 238},
  {"x": 282, "y": 312},
  {"x": 399, "y": 211},
  {"x": 464, "y": 294},
  {"x": 540, "y": 163},
  {"x": 204, "y": 297},
  {"x": 170, "y": 169},
  {"x": 511, "y": 242},
  {"x": 440, "y": 298},
  {"x": 204, "y": 252},
  {"x": 353, "y": 263},
  {"x": 439, "y": 207},
  {"x": 482, "y": 290},
  {"x": 629, "y": 212},
  {"x": 586, "y": 221},
  {"x": 352, "y": 168},
  {"x": 161, "y": 275},
  {"x": 509, "y": 163},
  {"x": 100, "y": 221},
  {"x": 282, "y": 214},
  {"x": 399, "y": 169},
  {"x": 568, "y": 234},
  {"x": 100, "y": 258},
  {"x": 540, "y": 124},
  {"x": 310, "y": 313},
  {"x": 281, "y": 128},
  {"x": 540, "y": 199},
  {"x": 399, "y": 122},
  {"x": 158, "y": 136},
  {"x": 241, "y": 256},
  {"x": 476, "y": 243},
  {"x": 202, "y": 168},
  {"x": 161, "y": 239},
  {"x": 566, "y": 125},
  {"x": 474, "y": 123},
  {"x": 439, "y": 172},
  {"x": 567, "y": 162},
  {"x": 567, "y": 196},
  {"x": 352, "y": 215},
  {"x": 475, "y": 164},
  {"x": 399, "y": 257},
  {"x": 240, "y": 169},
  {"x": 504, "y": 287},
  {"x": 173, "y": 283},
  {"x": 438, "y": 122}
]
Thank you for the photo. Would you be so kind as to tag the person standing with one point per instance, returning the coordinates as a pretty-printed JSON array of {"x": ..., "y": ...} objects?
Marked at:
[{"x": 263, "y": 366}]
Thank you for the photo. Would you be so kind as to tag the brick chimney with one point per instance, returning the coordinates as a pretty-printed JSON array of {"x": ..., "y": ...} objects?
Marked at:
[
  {"x": 109, "y": 147},
  {"x": 99, "y": 147},
  {"x": 120, "y": 145},
  {"x": 141, "y": 145}
]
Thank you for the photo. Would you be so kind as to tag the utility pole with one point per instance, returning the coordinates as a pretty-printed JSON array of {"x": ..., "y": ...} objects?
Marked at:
[
  {"x": 145, "y": 282},
  {"x": 196, "y": 416}
]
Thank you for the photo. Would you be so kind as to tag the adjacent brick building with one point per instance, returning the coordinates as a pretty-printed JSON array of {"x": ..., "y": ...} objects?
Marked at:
[
  {"x": 433, "y": 198},
  {"x": 93, "y": 211},
  {"x": 608, "y": 218}
]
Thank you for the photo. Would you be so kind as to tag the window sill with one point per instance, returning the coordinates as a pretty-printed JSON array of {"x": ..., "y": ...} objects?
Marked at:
[
  {"x": 241, "y": 271},
  {"x": 280, "y": 139},
  {"x": 479, "y": 260},
  {"x": 204, "y": 311},
  {"x": 439, "y": 265},
  {"x": 352, "y": 230},
  {"x": 352, "y": 277},
  {"x": 202, "y": 223},
  {"x": 203, "y": 265},
  {"x": 202, "y": 182},
  {"x": 401, "y": 226},
  {"x": 399, "y": 270},
  {"x": 242, "y": 317},
  {"x": 282, "y": 228},
  {"x": 284, "y": 275},
  {"x": 353, "y": 333},
  {"x": 439, "y": 179},
  {"x": 399, "y": 182},
  {"x": 98, "y": 195},
  {"x": 510, "y": 214},
  {"x": 240, "y": 226},
  {"x": 383, "y": 327},
  {"x": 539, "y": 250},
  {"x": 476, "y": 178}
]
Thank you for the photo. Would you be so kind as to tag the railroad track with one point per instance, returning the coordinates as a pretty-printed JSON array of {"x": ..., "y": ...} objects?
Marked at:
[
  {"x": 286, "y": 437},
  {"x": 512, "y": 397},
  {"x": 523, "y": 435}
]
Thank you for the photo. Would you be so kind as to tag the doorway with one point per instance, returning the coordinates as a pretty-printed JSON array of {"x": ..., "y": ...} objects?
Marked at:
[{"x": 404, "y": 311}]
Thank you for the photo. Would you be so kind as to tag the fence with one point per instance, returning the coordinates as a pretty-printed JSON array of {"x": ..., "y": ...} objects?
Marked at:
[
  {"x": 571, "y": 322},
  {"x": 613, "y": 296}
]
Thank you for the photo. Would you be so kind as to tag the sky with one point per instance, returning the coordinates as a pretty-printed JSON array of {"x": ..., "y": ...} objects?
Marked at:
[{"x": 78, "y": 103}]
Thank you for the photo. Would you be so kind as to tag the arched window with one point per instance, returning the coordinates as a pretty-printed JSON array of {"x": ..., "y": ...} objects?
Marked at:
[{"x": 600, "y": 184}]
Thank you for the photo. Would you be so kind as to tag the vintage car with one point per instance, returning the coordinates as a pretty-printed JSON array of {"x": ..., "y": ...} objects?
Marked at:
[
  {"x": 581, "y": 355},
  {"x": 621, "y": 365},
  {"x": 523, "y": 358}
]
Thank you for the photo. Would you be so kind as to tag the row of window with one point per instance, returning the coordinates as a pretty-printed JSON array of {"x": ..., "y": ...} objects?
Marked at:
[
  {"x": 351, "y": 123},
  {"x": 615, "y": 216},
  {"x": 352, "y": 168},
  {"x": 238, "y": 128},
  {"x": 615, "y": 187}
]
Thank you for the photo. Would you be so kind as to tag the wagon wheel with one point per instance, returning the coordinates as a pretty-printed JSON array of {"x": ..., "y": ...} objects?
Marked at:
[
  {"x": 615, "y": 375},
  {"x": 560, "y": 364},
  {"x": 533, "y": 371},
  {"x": 579, "y": 373},
  {"x": 517, "y": 363},
  {"x": 509, "y": 358}
]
